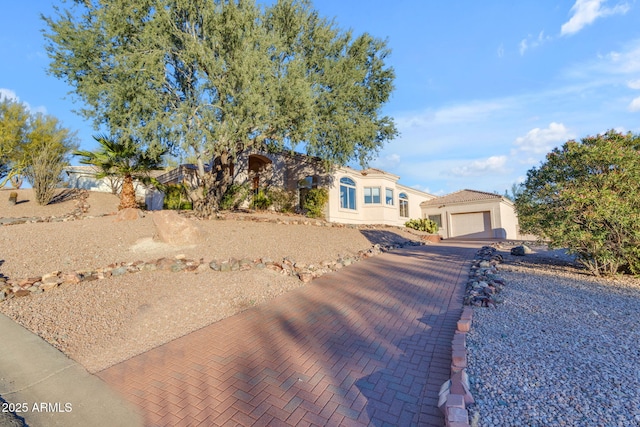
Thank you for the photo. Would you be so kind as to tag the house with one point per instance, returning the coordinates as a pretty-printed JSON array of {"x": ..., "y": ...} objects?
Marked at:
[
  {"x": 84, "y": 177},
  {"x": 372, "y": 196},
  {"x": 473, "y": 214},
  {"x": 369, "y": 196}
]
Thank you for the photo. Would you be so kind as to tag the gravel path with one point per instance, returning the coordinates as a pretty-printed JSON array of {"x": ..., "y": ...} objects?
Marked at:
[{"x": 563, "y": 349}]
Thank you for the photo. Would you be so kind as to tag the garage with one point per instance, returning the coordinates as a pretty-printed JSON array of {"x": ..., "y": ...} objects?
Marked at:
[{"x": 476, "y": 225}]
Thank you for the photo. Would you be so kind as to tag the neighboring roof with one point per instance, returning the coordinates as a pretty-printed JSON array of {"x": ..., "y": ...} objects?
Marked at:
[{"x": 462, "y": 196}]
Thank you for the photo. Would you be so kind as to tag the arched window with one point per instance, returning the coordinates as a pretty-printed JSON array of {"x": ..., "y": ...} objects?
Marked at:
[
  {"x": 404, "y": 205},
  {"x": 347, "y": 193}
]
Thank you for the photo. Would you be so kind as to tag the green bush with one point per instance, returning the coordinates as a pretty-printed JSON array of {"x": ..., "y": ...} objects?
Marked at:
[
  {"x": 283, "y": 200},
  {"x": 175, "y": 197},
  {"x": 585, "y": 197},
  {"x": 422, "y": 224},
  {"x": 314, "y": 202},
  {"x": 261, "y": 201},
  {"x": 235, "y": 196}
]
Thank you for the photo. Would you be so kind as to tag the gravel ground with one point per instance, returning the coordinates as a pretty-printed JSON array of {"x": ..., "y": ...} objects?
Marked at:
[
  {"x": 103, "y": 322},
  {"x": 563, "y": 349}
]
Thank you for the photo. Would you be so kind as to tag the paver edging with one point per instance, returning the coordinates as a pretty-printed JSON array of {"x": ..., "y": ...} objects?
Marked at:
[{"x": 482, "y": 290}]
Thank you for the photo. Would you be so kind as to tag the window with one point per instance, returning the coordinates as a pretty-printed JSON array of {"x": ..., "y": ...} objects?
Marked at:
[
  {"x": 371, "y": 195},
  {"x": 347, "y": 193},
  {"x": 404, "y": 205},
  {"x": 388, "y": 196},
  {"x": 437, "y": 219}
]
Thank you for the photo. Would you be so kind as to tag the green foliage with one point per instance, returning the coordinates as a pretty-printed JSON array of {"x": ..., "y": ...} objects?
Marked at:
[
  {"x": 283, "y": 201},
  {"x": 235, "y": 196},
  {"x": 125, "y": 159},
  {"x": 585, "y": 197},
  {"x": 261, "y": 201},
  {"x": 176, "y": 197},
  {"x": 315, "y": 201},
  {"x": 422, "y": 224},
  {"x": 222, "y": 77},
  {"x": 33, "y": 146}
]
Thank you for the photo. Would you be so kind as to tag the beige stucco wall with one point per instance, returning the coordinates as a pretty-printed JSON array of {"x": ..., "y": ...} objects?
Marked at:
[
  {"x": 377, "y": 213},
  {"x": 504, "y": 222}
]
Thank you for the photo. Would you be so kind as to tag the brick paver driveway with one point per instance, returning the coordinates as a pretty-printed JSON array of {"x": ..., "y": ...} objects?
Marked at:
[{"x": 368, "y": 345}]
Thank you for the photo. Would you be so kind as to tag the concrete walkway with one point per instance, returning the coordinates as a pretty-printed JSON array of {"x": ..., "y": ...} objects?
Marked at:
[
  {"x": 46, "y": 389},
  {"x": 368, "y": 345}
]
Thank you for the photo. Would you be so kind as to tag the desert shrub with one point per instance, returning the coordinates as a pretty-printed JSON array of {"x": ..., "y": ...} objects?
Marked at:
[
  {"x": 235, "y": 196},
  {"x": 315, "y": 201},
  {"x": 45, "y": 172},
  {"x": 422, "y": 224},
  {"x": 13, "y": 198},
  {"x": 176, "y": 197},
  {"x": 585, "y": 197},
  {"x": 261, "y": 201},
  {"x": 283, "y": 200}
]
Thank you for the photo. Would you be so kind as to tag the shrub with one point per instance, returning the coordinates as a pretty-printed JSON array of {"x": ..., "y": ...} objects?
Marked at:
[
  {"x": 176, "y": 197},
  {"x": 585, "y": 197},
  {"x": 235, "y": 196},
  {"x": 315, "y": 201},
  {"x": 422, "y": 224},
  {"x": 283, "y": 200},
  {"x": 261, "y": 201},
  {"x": 13, "y": 198}
]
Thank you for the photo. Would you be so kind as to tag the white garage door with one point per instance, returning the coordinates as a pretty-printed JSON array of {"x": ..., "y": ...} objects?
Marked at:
[{"x": 475, "y": 225}]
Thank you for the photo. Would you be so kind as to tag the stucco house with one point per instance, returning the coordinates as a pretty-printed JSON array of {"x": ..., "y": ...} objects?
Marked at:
[
  {"x": 372, "y": 196},
  {"x": 369, "y": 196},
  {"x": 473, "y": 214}
]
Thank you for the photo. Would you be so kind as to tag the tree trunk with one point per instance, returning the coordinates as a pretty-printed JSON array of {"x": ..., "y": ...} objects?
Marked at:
[
  {"x": 215, "y": 185},
  {"x": 128, "y": 194}
]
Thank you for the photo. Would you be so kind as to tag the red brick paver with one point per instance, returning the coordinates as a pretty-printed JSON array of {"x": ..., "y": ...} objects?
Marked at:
[{"x": 368, "y": 345}]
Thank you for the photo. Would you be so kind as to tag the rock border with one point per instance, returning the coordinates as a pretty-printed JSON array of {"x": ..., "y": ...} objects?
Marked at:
[
  {"x": 10, "y": 288},
  {"x": 481, "y": 290}
]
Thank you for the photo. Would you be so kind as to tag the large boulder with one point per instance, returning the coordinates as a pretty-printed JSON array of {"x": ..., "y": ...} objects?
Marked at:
[{"x": 176, "y": 230}]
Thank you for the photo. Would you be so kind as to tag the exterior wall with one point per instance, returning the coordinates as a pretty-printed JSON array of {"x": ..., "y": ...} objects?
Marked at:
[
  {"x": 502, "y": 216},
  {"x": 509, "y": 221},
  {"x": 83, "y": 177},
  {"x": 373, "y": 213}
]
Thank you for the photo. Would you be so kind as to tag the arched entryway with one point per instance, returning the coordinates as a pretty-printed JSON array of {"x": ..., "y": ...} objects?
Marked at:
[{"x": 258, "y": 166}]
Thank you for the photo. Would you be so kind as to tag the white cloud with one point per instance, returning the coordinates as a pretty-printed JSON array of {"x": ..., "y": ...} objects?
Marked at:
[
  {"x": 501, "y": 50},
  {"x": 8, "y": 94},
  {"x": 586, "y": 12},
  {"x": 493, "y": 164},
  {"x": 463, "y": 113},
  {"x": 11, "y": 95},
  {"x": 634, "y": 84},
  {"x": 539, "y": 141},
  {"x": 532, "y": 42},
  {"x": 387, "y": 162},
  {"x": 635, "y": 105}
]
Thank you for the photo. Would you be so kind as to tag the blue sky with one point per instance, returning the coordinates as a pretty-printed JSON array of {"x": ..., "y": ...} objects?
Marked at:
[{"x": 483, "y": 89}]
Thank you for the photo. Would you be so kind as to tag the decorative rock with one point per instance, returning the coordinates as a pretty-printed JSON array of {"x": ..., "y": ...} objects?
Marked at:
[
  {"x": 521, "y": 250},
  {"x": 129, "y": 214},
  {"x": 176, "y": 230}
]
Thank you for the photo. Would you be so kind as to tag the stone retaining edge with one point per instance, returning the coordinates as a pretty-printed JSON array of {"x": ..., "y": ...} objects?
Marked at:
[{"x": 481, "y": 290}]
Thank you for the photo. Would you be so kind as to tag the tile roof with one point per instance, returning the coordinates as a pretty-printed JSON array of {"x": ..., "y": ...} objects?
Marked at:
[{"x": 461, "y": 196}]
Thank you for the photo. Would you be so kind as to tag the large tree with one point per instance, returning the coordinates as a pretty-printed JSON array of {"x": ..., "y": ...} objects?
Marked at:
[
  {"x": 35, "y": 146},
  {"x": 219, "y": 77},
  {"x": 14, "y": 121},
  {"x": 586, "y": 197}
]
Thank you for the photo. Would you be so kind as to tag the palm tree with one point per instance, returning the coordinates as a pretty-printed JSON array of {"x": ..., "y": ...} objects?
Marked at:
[{"x": 124, "y": 160}]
